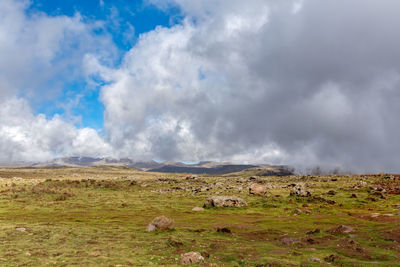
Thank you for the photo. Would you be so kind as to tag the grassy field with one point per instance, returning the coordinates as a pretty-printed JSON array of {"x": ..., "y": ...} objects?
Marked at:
[{"x": 97, "y": 217}]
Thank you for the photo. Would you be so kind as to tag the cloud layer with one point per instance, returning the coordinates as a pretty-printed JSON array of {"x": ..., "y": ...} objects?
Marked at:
[
  {"x": 295, "y": 82},
  {"x": 39, "y": 54},
  {"x": 298, "y": 82}
]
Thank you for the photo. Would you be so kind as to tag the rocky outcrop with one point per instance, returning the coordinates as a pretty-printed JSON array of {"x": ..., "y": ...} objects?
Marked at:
[
  {"x": 191, "y": 258},
  {"x": 300, "y": 190},
  {"x": 160, "y": 223},
  {"x": 258, "y": 189},
  {"x": 224, "y": 201}
]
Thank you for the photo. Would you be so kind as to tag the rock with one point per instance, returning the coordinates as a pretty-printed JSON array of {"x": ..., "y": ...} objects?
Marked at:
[
  {"x": 174, "y": 243},
  {"x": 197, "y": 209},
  {"x": 377, "y": 188},
  {"x": 20, "y": 229},
  {"x": 191, "y": 257},
  {"x": 160, "y": 223},
  {"x": 300, "y": 190},
  {"x": 288, "y": 240},
  {"x": 224, "y": 201},
  {"x": 312, "y": 232},
  {"x": 315, "y": 259},
  {"x": 360, "y": 184},
  {"x": 332, "y": 192},
  {"x": 258, "y": 189},
  {"x": 371, "y": 199},
  {"x": 353, "y": 195},
  {"x": 331, "y": 258},
  {"x": 219, "y": 184},
  {"x": 297, "y": 212},
  {"x": 224, "y": 230},
  {"x": 380, "y": 194},
  {"x": 342, "y": 229},
  {"x": 307, "y": 211}
]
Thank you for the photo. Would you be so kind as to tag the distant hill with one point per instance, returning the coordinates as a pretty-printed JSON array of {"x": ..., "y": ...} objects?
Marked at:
[
  {"x": 204, "y": 167},
  {"x": 217, "y": 169}
]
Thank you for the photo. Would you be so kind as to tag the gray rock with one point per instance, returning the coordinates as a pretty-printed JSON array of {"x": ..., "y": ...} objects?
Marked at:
[
  {"x": 300, "y": 190},
  {"x": 258, "y": 189},
  {"x": 342, "y": 229},
  {"x": 224, "y": 201},
  {"x": 160, "y": 223},
  {"x": 191, "y": 258}
]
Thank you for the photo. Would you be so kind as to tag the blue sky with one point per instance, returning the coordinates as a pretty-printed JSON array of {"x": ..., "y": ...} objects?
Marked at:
[
  {"x": 125, "y": 20},
  {"x": 301, "y": 82}
]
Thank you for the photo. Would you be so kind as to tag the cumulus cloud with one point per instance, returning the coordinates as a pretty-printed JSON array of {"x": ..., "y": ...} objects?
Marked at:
[
  {"x": 297, "y": 82},
  {"x": 292, "y": 82},
  {"x": 25, "y": 137},
  {"x": 39, "y": 54}
]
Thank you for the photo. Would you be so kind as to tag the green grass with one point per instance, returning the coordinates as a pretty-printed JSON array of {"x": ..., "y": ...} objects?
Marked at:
[{"x": 70, "y": 221}]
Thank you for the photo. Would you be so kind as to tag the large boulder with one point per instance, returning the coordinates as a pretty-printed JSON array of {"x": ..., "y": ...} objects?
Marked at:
[
  {"x": 224, "y": 201},
  {"x": 300, "y": 190},
  {"x": 160, "y": 223},
  {"x": 191, "y": 258},
  {"x": 258, "y": 189}
]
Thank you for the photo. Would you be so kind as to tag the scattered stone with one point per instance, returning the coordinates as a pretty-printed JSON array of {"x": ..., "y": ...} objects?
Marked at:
[
  {"x": 380, "y": 194},
  {"x": 191, "y": 258},
  {"x": 377, "y": 188},
  {"x": 360, "y": 184},
  {"x": 315, "y": 231},
  {"x": 331, "y": 258},
  {"x": 300, "y": 190},
  {"x": 305, "y": 205},
  {"x": 315, "y": 259},
  {"x": 258, "y": 189},
  {"x": 20, "y": 229},
  {"x": 224, "y": 230},
  {"x": 371, "y": 199},
  {"x": 332, "y": 192},
  {"x": 174, "y": 243},
  {"x": 198, "y": 209},
  {"x": 297, "y": 212},
  {"x": 224, "y": 201},
  {"x": 342, "y": 229},
  {"x": 353, "y": 195},
  {"x": 311, "y": 241},
  {"x": 334, "y": 179},
  {"x": 160, "y": 223},
  {"x": 288, "y": 240}
]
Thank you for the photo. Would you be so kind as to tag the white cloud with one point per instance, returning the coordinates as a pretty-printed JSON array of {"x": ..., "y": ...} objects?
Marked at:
[
  {"x": 38, "y": 55},
  {"x": 288, "y": 82},
  {"x": 26, "y": 137},
  {"x": 297, "y": 82}
]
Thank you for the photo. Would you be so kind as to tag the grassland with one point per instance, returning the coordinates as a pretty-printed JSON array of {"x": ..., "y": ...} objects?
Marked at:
[{"x": 98, "y": 216}]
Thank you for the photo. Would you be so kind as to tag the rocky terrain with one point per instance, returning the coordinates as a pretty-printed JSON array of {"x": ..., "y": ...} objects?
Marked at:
[{"x": 116, "y": 216}]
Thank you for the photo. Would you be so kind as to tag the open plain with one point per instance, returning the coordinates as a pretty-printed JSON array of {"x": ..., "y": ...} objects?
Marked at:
[{"x": 97, "y": 216}]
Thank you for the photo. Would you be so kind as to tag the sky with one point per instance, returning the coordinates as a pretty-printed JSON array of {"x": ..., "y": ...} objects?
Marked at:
[{"x": 297, "y": 82}]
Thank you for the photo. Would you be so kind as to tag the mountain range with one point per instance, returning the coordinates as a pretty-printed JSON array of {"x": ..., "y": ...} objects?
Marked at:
[{"x": 204, "y": 167}]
